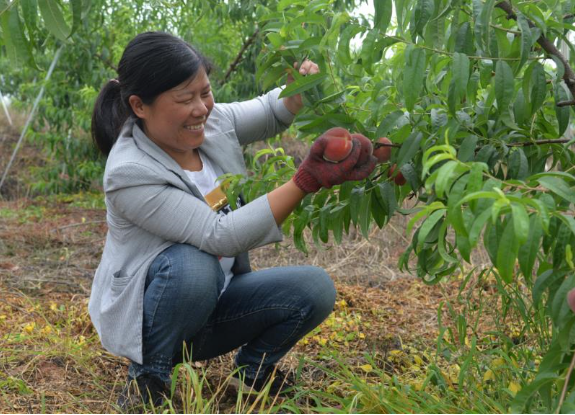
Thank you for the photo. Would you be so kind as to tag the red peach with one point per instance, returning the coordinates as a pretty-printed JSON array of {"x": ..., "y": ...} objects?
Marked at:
[
  {"x": 383, "y": 153},
  {"x": 398, "y": 179},
  {"x": 339, "y": 144}
]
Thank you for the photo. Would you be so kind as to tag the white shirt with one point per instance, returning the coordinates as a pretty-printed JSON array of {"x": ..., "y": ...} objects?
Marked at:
[{"x": 206, "y": 181}]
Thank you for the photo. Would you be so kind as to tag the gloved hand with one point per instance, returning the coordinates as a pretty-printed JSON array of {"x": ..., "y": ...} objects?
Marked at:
[{"x": 315, "y": 172}]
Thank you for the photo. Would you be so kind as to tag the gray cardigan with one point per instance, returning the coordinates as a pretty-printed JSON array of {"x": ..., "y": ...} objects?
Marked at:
[{"x": 151, "y": 204}]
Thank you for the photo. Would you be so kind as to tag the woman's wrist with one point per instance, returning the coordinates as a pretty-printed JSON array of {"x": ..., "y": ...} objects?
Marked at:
[{"x": 293, "y": 104}]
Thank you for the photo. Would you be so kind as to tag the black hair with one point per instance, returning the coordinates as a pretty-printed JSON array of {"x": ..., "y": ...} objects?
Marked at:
[{"x": 152, "y": 63}]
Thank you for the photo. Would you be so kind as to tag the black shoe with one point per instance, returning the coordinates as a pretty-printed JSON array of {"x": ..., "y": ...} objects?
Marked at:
[
  {"x": 144, "y": 391},
  {"x": 280, "y": 383}
]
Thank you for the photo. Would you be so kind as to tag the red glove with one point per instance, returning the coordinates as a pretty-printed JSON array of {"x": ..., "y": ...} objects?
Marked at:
[{"x": 315, "y": 172}]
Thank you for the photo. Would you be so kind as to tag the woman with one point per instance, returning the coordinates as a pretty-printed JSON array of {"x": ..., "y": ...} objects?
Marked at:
[{"x": 165, "y": 277}]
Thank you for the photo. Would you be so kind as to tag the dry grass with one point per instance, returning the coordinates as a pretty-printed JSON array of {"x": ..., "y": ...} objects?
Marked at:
[{"x": 50, "y": 356}]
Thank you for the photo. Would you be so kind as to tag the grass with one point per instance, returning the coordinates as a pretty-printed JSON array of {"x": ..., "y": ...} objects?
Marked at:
[
  {"x": 52, "y": 362},
  {"x": 383, "y": 349}
]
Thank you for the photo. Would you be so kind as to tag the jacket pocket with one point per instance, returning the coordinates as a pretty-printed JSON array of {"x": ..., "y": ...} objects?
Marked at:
[{"x": 119, "y": 280}]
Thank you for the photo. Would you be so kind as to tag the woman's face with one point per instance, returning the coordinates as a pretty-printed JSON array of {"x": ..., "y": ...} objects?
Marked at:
[{"x": 176, "y": 119}]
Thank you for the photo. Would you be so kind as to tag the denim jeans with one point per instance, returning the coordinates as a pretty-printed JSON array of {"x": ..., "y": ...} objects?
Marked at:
[{"x": 263, "y": 313}]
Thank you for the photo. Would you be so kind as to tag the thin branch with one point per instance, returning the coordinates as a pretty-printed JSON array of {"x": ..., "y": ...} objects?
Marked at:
[
  {"x": 538, "y": 142},
  {"x": 517, "y": 144},
  {"x": 566, "y": 384},
  {"x": 547, "y": 45},
  {"x": 240, "y": 55},
  {"x": 565, "y": 103},
  {"x": 442, "y": 52},
  {"x": 378, "y": 145}
]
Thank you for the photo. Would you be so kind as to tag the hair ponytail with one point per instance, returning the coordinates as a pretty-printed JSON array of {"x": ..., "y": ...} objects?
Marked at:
[{"x": 108, "y": 116}]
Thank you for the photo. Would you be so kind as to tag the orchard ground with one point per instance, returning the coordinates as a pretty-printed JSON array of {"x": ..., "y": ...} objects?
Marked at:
[{"x": 377, "y": 352}]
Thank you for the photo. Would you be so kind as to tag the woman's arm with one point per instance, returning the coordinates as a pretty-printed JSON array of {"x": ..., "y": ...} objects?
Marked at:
[
  {"x": 267, "y": 115},
  {"x": 284, "y": 200}
]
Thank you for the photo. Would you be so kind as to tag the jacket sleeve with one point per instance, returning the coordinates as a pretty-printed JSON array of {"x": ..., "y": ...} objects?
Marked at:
[
  {"x": 135, "y": 192},
  {"x": 259, "y": 118}
]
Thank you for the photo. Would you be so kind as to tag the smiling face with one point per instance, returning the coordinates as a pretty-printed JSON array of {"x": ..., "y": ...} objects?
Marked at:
[{"x": 176, "y": 119}]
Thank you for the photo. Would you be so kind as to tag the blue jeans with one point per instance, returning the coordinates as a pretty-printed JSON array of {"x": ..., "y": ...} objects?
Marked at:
[{"x": 263, "y": 313}]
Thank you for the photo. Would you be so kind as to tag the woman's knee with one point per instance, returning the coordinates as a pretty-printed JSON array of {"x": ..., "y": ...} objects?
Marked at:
[
  {"x": 192, "y": 273},
  {"x": 319, "y": 290}
]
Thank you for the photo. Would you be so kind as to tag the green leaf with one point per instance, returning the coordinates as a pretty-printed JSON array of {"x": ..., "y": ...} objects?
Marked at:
[
  {"x": 413, "y": 75},
  {"x": 365, "y": 214},
  {"x": 520, "y": 107},
  {"x": 388, "y": 123},
  {"x": 542, "y": 282},
  {"x": 441, "y": 244},
  {"x": 560, "y": 307},
  {"x": 77, "y": 6},
  {"x": 526, "y": 40},
  {"x": 538, "y": 88},
  {"x": 302, "y": 84},
  {"x": 518, "y": 167},
  {"x": 409, "y": 148},
  {"x": 504, "y": 86},
  {"x": 17, "y": 45},
  {"x": 355, "y": 203},
  {"x": 444, "y": 177},
  {"x": 383, "y": 9},
  {"x": 464, "y": 40},
  {"x": 482, "y": 29},
  {"x": 561, "y": 240},
  {"x": 460, "y": 73},
  {"x": 54, "y": 19},
  {"x": 377, "y": 209},
  {"x": 528, "y": 251},
  {"x": 477, "y": 227},
  {"x": 559, "y": 187},
  {"x": 520, "y": 222},
  {"x": 388, "y": 198},
  {"x": 507, "y": 253},
  {"x": 272, "y": 76},
  {"x": 30, "y": 13},
  {"x": 424, "y": 10},
  {"x": 528, "y": 391},
  {"x": 428, "y": 225},
  {"x": 368, "y": 48},
  {"x": 563, "y": 113},
  {"x": 348, "y": 33},
  {"x": 324, "y": 218}
]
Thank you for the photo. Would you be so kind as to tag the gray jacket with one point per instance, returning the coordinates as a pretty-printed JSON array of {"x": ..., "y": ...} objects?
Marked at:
[{"x": 151, "y": 204}]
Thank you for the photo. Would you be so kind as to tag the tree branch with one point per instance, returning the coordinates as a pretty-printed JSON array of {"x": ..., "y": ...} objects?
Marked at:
[
  {"x": 548, "y": 46},
  {"x": 538, "y": 142},
  {"x": 240, "y": 55}
]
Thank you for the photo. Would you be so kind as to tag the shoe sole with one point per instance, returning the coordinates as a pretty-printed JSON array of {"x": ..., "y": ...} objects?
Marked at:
[{"x": 241, "y": 387}]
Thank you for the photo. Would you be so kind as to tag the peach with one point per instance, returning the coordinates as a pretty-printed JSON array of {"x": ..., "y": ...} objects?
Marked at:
[
  {"x": 398, "y": 179},
  {"x": 383, "y": 153},
  {"x": 339, "y": 144}
]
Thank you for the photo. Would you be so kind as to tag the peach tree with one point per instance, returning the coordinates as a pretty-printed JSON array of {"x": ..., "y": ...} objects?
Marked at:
[{"x": 477, "y": 98}]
